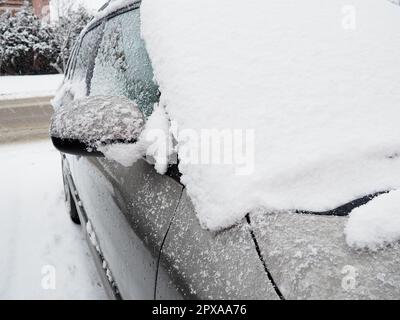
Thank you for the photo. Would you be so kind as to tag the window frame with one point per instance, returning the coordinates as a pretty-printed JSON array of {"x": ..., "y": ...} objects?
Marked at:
[{"x": 92, "y": 58}]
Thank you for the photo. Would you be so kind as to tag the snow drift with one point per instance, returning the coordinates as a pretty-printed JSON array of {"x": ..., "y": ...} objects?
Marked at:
[{"x": 317, "y": 81}]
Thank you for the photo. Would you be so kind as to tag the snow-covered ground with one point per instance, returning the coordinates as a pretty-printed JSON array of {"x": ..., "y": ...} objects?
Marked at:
[
  {"x": 43, "y": 254},
  {"x": 15, "y": 87}
]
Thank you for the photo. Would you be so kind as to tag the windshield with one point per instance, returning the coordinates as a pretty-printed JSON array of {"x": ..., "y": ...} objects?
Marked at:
[{"x": 303, "y": 100}]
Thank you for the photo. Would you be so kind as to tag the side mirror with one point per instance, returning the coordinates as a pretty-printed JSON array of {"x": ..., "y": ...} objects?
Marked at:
[{"x": 82, "y": 126}]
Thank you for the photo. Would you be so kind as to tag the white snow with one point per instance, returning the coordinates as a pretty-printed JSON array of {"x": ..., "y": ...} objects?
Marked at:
[
  {"x": 16, "y": 87},
  {"x": 155, "y": 143},
  {"x": 92, "y": 236},
  {"x": 113, "y": 6},
  {"x": 317, "y": 81},
  {"x": 37, "y": 238},
  {"x": 376, "y": 223},
  {"x": 124, "y": 154},
  {"x": 76, "y": 89}
]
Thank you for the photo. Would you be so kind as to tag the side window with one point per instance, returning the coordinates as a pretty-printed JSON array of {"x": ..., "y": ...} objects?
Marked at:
[
  {"x": 84, "y": 62},
  {"x": 123, "y": 67}
]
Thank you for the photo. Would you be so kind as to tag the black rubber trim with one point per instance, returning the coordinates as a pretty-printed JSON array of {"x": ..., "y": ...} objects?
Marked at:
[
  {"x": 79, "y": 148},
  {"x": 344, "y": 210},
  {"x": 260, "y": 256},
  {"x": 74, "y": 146},
  {"x": 132, "y": 6},
  {"x": 174, "y": 173}
]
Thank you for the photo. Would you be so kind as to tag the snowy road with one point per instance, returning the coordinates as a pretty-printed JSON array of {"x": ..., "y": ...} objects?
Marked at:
[
  {"x": 24, "y": 119},
  {"x": 43, "y": 255}
]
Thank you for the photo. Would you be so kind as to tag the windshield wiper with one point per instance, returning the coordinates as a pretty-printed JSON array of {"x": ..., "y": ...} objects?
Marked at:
[{"x": 345, "y": 209}]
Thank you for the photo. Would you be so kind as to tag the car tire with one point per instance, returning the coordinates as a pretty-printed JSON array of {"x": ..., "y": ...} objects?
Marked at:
[{"x": 70, "y": 203}]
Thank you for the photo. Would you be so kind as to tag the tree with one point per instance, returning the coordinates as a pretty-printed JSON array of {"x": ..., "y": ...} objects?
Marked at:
[
  {"x": 26, "y": 45},
  {"x": 67, "y": 30},
  {"x": 30, "y": 46}
]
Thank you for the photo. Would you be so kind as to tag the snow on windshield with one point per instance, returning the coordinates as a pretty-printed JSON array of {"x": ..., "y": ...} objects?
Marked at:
[{"x": 310, "y": 87}]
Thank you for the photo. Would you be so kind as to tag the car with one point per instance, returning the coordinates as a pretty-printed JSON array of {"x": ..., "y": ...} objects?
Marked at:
[{"x": 142, "y": 227}]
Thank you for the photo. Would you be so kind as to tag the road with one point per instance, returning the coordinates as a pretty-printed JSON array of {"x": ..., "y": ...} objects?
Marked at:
[
  {"x": 24, "y": 119},
  {"x": 43, "y": 254}
]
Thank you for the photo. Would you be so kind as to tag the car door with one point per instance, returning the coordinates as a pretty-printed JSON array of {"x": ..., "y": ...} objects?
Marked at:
[
  {"x": 198, "y": 264},
  {"x": 128, "y": 208}
]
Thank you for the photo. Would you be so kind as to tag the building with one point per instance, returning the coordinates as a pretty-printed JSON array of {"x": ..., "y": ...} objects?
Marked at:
[
  {"x": 12, "y": 5},
  {"x": 40, "y": 7}
]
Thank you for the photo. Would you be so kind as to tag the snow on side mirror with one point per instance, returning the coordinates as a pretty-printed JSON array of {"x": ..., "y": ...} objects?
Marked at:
[{"x": 82, "y": 126}]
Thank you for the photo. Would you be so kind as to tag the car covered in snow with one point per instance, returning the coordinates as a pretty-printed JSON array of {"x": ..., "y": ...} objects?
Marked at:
[{"x": 145, "y": 222}]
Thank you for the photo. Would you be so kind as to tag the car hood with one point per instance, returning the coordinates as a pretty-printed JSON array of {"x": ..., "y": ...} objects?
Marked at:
[{"x": 308, "y": 258}]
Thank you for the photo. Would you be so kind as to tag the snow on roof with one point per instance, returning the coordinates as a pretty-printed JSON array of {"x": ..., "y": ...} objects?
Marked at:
[
  {"x": 113, "y": 6},
  {"x": 315, "y": 81}
]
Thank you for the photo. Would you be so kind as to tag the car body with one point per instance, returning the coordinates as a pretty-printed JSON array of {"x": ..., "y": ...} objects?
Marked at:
[{"x": 142, "y": 227}]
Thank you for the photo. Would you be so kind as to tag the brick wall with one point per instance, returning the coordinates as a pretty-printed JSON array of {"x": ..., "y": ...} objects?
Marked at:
[
  {"x": 12, "y": 5},
  {"x": 40, "y": 7}
]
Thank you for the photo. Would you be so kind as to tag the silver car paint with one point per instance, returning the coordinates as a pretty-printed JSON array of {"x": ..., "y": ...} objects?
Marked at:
[
  {"x": 206, "y": 265},
  {"x": 130, "y": 210},
  {"x": 309, "y": 259}
]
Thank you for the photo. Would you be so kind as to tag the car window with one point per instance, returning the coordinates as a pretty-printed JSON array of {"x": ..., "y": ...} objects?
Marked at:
[
  {"x": 123, "y": 66},
  {"x": 84, "y": 62}
]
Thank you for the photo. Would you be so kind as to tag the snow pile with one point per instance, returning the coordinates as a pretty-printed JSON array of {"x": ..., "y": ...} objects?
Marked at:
[
  {"x": 316, "y": 80},
  {"x": 376, "y": 223},
  {"x": 155, "y": 142},
  {"x": 101, "y": 119},
  {"x": 18, "y": 87}
]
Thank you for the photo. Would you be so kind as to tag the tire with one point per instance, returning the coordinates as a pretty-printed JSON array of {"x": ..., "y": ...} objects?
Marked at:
[{"x": 70, "y": 203}]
